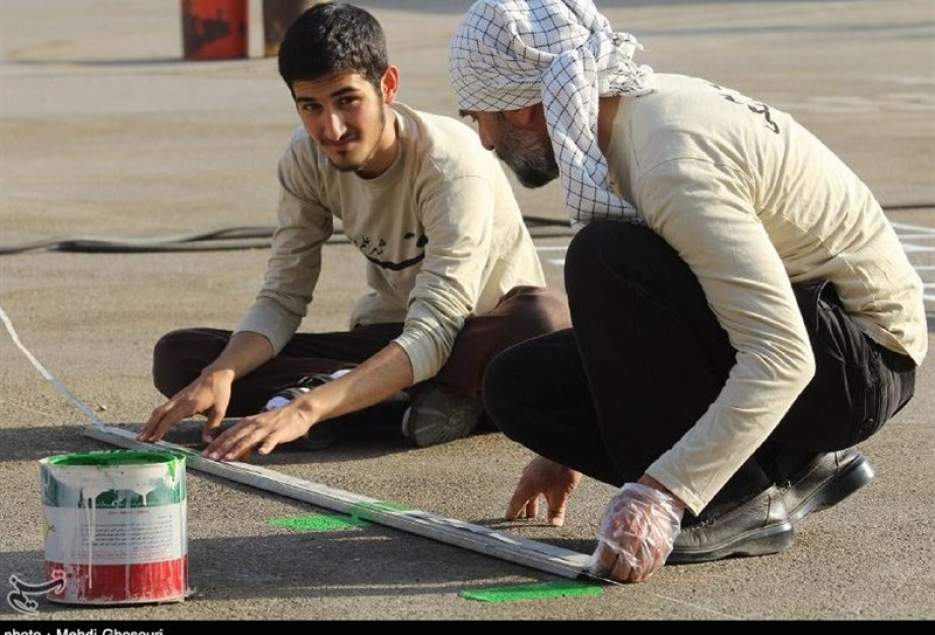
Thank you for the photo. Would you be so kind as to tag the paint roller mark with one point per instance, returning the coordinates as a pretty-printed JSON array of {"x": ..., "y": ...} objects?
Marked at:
[
  {"x": 539, "y": 591},
  {"x": 910, "y": 235},
  {"x": 919, "y": 229},
  {"x": 319, "y": 523},
  {"x": 909, "y": 248},
  {"x": 365, "y": 511}
]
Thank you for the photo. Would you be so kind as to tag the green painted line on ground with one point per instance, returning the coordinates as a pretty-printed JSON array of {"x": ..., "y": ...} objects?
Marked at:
[
  {"x": 359, "y": 515},
  {"x": 319, "y": 523},
  {"x": 538, "y": 591}
]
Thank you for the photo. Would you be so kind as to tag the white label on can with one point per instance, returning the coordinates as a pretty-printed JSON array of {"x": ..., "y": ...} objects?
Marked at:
[{"x": 127, "y": 535}]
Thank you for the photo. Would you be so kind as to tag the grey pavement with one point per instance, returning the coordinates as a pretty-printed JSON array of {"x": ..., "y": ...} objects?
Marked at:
[{"x": 105, "y": 131}]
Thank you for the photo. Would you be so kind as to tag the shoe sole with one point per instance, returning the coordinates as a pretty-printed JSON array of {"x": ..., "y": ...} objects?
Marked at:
[
  {"x": 756, "y": 542},
  {"x": 458, "y": 424},
  {"x": 854, "y": 476}
]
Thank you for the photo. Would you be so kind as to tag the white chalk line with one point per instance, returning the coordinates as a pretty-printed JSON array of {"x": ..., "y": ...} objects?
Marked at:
[
  {"x": 915, "y": 233},
  {"x": 694, "y": 606},
  {"x": 52, "y": 379},
  {"x": 917, "y": 249},
  {"x": 921, "y": 229},
  {"x": 920, "y": 233}
]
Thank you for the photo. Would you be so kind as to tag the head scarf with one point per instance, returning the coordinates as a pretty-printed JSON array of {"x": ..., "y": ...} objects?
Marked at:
[{"x": 509, "y": 54}]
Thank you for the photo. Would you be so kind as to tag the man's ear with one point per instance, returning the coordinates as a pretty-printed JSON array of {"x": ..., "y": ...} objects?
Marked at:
[
  {"x": 389, "y": 83},
  {"x": 526, "y": 118}
]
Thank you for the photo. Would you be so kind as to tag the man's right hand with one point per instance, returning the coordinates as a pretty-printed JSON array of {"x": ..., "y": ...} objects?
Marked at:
[
  {"x": 546, "y": 478},
  {"x": 209, "y": 395}
]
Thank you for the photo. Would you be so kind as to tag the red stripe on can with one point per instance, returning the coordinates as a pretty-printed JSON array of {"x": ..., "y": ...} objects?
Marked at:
[{"x": 119, "y": 583}]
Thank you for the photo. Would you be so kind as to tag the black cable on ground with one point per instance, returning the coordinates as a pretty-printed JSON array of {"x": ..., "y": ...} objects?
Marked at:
[
  {"x": 222, "y": 239},
  {"x": 909, "y": 206},
  {"x": 259, "y": 237}
]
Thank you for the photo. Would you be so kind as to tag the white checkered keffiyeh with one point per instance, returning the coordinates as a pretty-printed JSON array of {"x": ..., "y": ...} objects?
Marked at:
[{"x": 509, "y": 54}]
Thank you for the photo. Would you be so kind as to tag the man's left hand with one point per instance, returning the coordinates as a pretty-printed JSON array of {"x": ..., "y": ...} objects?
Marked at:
[{"x": 267, "y": 430}]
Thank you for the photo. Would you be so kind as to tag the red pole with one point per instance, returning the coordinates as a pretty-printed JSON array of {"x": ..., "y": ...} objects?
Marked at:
[{"x": 214, "y": 29}]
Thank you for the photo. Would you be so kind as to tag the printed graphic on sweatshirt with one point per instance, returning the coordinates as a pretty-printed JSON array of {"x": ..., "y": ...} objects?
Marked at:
[
  {"x": 756, "y": 107},
  {"x": 372, "y": 249}
]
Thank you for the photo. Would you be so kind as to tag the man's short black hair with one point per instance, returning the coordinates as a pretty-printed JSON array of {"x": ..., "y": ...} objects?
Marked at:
[{"x": 330, "y": 38}]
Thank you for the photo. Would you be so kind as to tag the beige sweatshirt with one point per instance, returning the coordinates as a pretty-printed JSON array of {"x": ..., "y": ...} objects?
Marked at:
[
  {"x": 752, "y": 202},
  {"x": 440, "y": 228}
]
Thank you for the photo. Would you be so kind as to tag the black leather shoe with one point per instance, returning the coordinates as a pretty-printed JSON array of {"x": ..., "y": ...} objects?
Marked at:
[
  {"x": 757, "y": 527},
  {"x": 826, "y": 481}
]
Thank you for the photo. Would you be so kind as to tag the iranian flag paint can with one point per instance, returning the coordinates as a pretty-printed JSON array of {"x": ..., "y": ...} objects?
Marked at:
[{"x": 115, "y": 526}]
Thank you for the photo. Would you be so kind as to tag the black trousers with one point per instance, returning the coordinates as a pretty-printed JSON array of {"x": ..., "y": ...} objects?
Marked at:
[
  {"x": 522, "y": 313},
  {"x": 646, "y": 358}
]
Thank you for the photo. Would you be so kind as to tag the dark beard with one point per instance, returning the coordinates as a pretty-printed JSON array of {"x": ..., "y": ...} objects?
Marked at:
[
  {"x": 363, "y": 164},
  {"x": 534, "y": 175},
  {"x": 530, "y": 158}
]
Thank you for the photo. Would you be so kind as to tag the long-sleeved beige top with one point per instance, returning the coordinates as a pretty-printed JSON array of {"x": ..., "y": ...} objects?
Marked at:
[
  {"x": 753, "y": 202},
  {"x": 440, "y": 229}
]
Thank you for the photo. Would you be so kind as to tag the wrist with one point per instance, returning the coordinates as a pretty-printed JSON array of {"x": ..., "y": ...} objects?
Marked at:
[
  {"x": 306, "y": 409},
  {"x": 219, "y": 374},
  {"x": 648, "y": 481}
]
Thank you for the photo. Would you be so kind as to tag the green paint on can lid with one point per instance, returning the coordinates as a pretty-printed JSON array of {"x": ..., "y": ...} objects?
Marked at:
[
  {"x": 115, "y": 458},
  {"x": 537, "y": 591},
  {"x": 114, "y": 478},
  {"x": 319, "y": 523}
]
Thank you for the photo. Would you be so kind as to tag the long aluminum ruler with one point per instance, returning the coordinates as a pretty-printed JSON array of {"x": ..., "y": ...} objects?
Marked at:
[{"x": 490, "y": 542}]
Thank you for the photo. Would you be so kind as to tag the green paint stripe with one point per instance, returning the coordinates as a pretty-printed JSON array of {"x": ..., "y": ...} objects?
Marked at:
[
  {"x": 539, "y": 591},
  {"x": 319, "y": 523},
  {"x": 116, "y": 458},
  {"x": 62, "y": 477},
  {"x": 366, "y": 510}
]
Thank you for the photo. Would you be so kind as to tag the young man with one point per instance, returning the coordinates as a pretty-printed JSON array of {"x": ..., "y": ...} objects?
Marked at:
[
  {"x": 454, "y": 274},
  {"x": 754, "y": 319}
]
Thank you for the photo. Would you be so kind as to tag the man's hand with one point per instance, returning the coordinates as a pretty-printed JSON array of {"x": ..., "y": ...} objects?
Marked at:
[
  {"x": 209, "y": 395},
  {"x": 267, "y": 430},
  {"x": 547, "y": 478},
  {"x": 637, "y": 532}
]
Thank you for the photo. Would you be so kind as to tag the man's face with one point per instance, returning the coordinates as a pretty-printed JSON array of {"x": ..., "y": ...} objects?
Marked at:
[
  {"x": 527, "y": 152},
  {"x": 344, "y": 114}
]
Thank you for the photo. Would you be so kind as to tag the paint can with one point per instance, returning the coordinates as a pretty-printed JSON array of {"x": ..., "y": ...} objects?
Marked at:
[
  {"x": 214, "y": 29},
  {"x": 116, "y": 527}
]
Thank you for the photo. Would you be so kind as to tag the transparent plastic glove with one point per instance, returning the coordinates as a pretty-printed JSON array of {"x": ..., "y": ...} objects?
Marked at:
[{"x": 637, "y": 532}]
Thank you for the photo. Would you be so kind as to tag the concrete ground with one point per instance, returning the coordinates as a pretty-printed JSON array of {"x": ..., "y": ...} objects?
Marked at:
[{"x": 105, "y": 131}]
